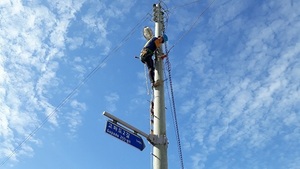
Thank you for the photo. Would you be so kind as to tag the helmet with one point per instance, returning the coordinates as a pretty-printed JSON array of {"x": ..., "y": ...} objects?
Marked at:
[{"x": 165, "y": 38}]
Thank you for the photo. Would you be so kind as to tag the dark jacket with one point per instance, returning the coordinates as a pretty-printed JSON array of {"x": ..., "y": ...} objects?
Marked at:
[{"x": 153, "y": 44}]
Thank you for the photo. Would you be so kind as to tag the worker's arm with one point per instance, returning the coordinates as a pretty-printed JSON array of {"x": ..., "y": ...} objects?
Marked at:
[{"x": 158, "y": 42}]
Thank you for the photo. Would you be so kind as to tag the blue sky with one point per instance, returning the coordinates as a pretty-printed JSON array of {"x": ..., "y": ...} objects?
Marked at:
[{"x": 236, "y": 79}]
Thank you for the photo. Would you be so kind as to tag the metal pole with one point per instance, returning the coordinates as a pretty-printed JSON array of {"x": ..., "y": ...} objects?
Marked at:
[{"x": 160, "y": 158}]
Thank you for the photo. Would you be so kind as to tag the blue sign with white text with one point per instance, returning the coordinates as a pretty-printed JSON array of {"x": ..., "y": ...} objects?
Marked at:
[{"x": 124, "y": 135}]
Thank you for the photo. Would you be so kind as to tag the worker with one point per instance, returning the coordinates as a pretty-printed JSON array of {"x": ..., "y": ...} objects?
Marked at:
[{"x": 147, "y": 52}]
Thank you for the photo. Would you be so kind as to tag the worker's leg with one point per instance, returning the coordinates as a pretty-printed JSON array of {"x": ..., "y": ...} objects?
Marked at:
[
  {"x": 149, "y": 63},
  {"x": 151, "y": 73}
]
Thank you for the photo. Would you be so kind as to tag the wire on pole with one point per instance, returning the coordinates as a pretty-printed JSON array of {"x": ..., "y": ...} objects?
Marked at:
[
  {"x": 191, "y": 27},
  {"x": 73, "y": 92}
]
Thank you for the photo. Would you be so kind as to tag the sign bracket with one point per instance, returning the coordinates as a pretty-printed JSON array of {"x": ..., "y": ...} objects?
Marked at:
[{"x": 130, "y": 134}]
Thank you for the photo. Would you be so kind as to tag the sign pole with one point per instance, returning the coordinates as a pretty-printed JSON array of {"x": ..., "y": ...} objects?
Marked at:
[
  {"x": 158, "y": 138},
  {"x": 160, "y": 159}
]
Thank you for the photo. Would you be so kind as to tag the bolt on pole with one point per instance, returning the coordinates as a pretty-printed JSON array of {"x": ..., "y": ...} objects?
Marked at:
[{"x": 160, "y": 156}]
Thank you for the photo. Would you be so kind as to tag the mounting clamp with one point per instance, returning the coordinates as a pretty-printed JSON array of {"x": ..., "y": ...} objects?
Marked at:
[{"x": 158, "y": 139}]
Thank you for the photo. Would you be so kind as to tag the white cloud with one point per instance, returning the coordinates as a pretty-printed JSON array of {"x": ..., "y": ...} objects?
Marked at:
[
  {"x": 244, "y": 98},
  {"x": 75, "y": 42},
  {"x": 112, "y": 99},
  {"x": 198, "y": 161},
  {"x": 116, "y": 9},
  {"x": 74, "y": 118},
  {"x": 31, "y": 40},
  {"x": 34, "y": 38},
  {"x": 187, "y": 106}
]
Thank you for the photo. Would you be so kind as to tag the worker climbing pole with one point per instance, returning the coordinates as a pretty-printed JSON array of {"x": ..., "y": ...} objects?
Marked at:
[
  {"x": 152, "y": 47},
  {"x": 157, "y": 136}
]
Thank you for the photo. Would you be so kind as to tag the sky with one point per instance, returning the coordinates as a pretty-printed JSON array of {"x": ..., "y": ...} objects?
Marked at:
[{"x": 235, "y": 74}]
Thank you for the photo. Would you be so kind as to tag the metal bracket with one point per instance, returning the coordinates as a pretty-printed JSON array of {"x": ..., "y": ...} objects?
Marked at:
[{"x": 158, "y": 139}]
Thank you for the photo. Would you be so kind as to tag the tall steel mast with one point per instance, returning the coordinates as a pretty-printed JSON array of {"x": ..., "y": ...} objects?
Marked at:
[{"x": 160, "y": 156}]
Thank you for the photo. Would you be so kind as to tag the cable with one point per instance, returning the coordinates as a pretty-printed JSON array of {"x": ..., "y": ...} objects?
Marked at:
[
  {"x": 146, "y": 77},
  {"x": 191, "y": 27},
  {"x": 173, "y": 110},
  {"x": 166, "y": 10},
  {"x": 73, "y": 92},
  {"x": 186, "y": 4},
  {"x": 168, "y": 64}
]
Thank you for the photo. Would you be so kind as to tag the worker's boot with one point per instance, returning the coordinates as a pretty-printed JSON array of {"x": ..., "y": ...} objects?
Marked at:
[
  {"x": 163, "y": 56},
  {"x": 155, "y": 84}
]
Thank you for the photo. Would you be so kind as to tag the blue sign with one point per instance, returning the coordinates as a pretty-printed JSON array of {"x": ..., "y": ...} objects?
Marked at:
[{"x": 124, "y": 135}]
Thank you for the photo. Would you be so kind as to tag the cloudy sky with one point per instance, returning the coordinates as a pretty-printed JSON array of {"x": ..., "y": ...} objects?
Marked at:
[{"x": 235, "y": 74}]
